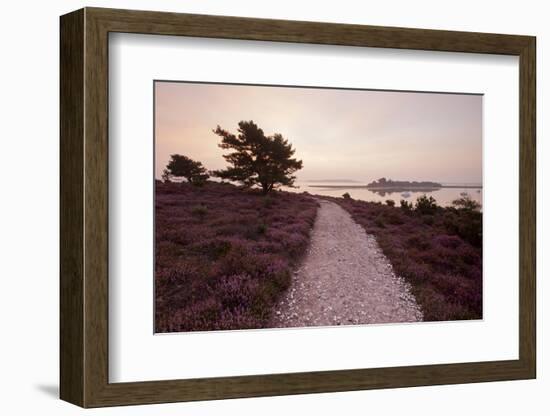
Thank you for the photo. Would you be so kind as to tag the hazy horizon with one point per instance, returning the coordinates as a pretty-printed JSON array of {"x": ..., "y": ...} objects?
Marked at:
[{"x": 355, "y": 135}]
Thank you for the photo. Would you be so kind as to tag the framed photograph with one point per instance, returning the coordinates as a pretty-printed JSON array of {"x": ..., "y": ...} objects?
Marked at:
[{"x": 255, "y": 207}]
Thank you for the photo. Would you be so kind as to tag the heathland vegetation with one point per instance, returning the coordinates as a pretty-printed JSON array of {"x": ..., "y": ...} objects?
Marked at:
[
  {"x": 438, "y": 250},
  {"x": 226, "y": 252}
]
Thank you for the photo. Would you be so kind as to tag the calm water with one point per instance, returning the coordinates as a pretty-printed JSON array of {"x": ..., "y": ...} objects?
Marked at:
[{"x": 443, "y": 196}]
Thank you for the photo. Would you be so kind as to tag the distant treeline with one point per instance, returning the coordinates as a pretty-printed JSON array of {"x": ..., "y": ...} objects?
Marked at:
[{"x": 388, "y": 183}]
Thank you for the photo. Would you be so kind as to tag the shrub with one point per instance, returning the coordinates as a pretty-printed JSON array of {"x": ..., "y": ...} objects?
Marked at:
[
  {"x": 419, "y": 242},
  {"x": 346, "y": 196},
  {"x": 393, "y": 217},
  {"x": 379, "y": 222},
  {"x": 213, "y": 248},
  {"x": 199, "y": 211},
  {"x": 448, "y": 241},
  {"x": 466, "y": 224},
  {"x": 261, "y": 228},
  {"x": 425, "y": 205},
  {"x": 428, "y": 219},
  {"x": 406, "y": 206},
  {"x": 268, "y": 201},
  {"x": 390, "y": 202},
  {"x": 466, "y": 203}
]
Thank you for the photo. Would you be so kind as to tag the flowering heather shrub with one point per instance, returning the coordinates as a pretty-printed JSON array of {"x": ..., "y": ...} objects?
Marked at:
[
  {"x": 437, "y": 250},
  {"x": 224, "y": 255}
]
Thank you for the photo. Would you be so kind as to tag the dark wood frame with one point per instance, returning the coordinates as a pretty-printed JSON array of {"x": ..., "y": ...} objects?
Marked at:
[{"x": 84, "y": 207}]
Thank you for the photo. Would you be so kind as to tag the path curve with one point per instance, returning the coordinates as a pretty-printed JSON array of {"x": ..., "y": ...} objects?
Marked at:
[{"x": 344, "y": 279}]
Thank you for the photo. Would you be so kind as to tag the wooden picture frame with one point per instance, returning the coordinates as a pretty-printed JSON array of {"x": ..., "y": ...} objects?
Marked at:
[{"x": 84, "y": 207}]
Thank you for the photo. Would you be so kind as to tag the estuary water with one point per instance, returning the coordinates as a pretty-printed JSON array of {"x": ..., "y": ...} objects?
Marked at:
[{"x": 443, "y": 196}]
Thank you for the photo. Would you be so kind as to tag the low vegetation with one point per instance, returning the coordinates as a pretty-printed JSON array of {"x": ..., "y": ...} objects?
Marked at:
[
  {"x": 224, "y": 254},
  {"x": 437, "y": 250}
]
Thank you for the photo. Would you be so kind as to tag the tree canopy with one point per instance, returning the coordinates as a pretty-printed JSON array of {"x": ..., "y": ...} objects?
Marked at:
[
  {"x": 181, "y": 166},
  {"x": 257, "y": 159}
]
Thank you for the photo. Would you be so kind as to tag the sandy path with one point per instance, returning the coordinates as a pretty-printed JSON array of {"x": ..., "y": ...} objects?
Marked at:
[{"x": 344, "y": 279}]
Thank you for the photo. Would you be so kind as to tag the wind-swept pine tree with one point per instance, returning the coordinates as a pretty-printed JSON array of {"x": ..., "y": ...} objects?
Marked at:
[{"x": 257, "y": 159}]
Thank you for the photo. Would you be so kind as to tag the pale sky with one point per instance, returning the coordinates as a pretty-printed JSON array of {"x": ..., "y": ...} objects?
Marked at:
[{"x": 338, "y": 134}]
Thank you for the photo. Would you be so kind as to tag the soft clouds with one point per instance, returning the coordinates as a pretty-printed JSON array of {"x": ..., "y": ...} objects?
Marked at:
[{"x": 337, "y": 133}]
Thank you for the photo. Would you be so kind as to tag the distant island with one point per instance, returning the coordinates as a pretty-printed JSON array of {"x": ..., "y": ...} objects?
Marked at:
[
  {"x": 385, "y": 186},
  {"x": 332, "y": 181},
  {"x": 384, "y": 183}
]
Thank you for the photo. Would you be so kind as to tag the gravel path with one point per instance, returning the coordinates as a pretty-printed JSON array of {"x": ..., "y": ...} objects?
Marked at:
[{"x": 344, "y": 279}]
